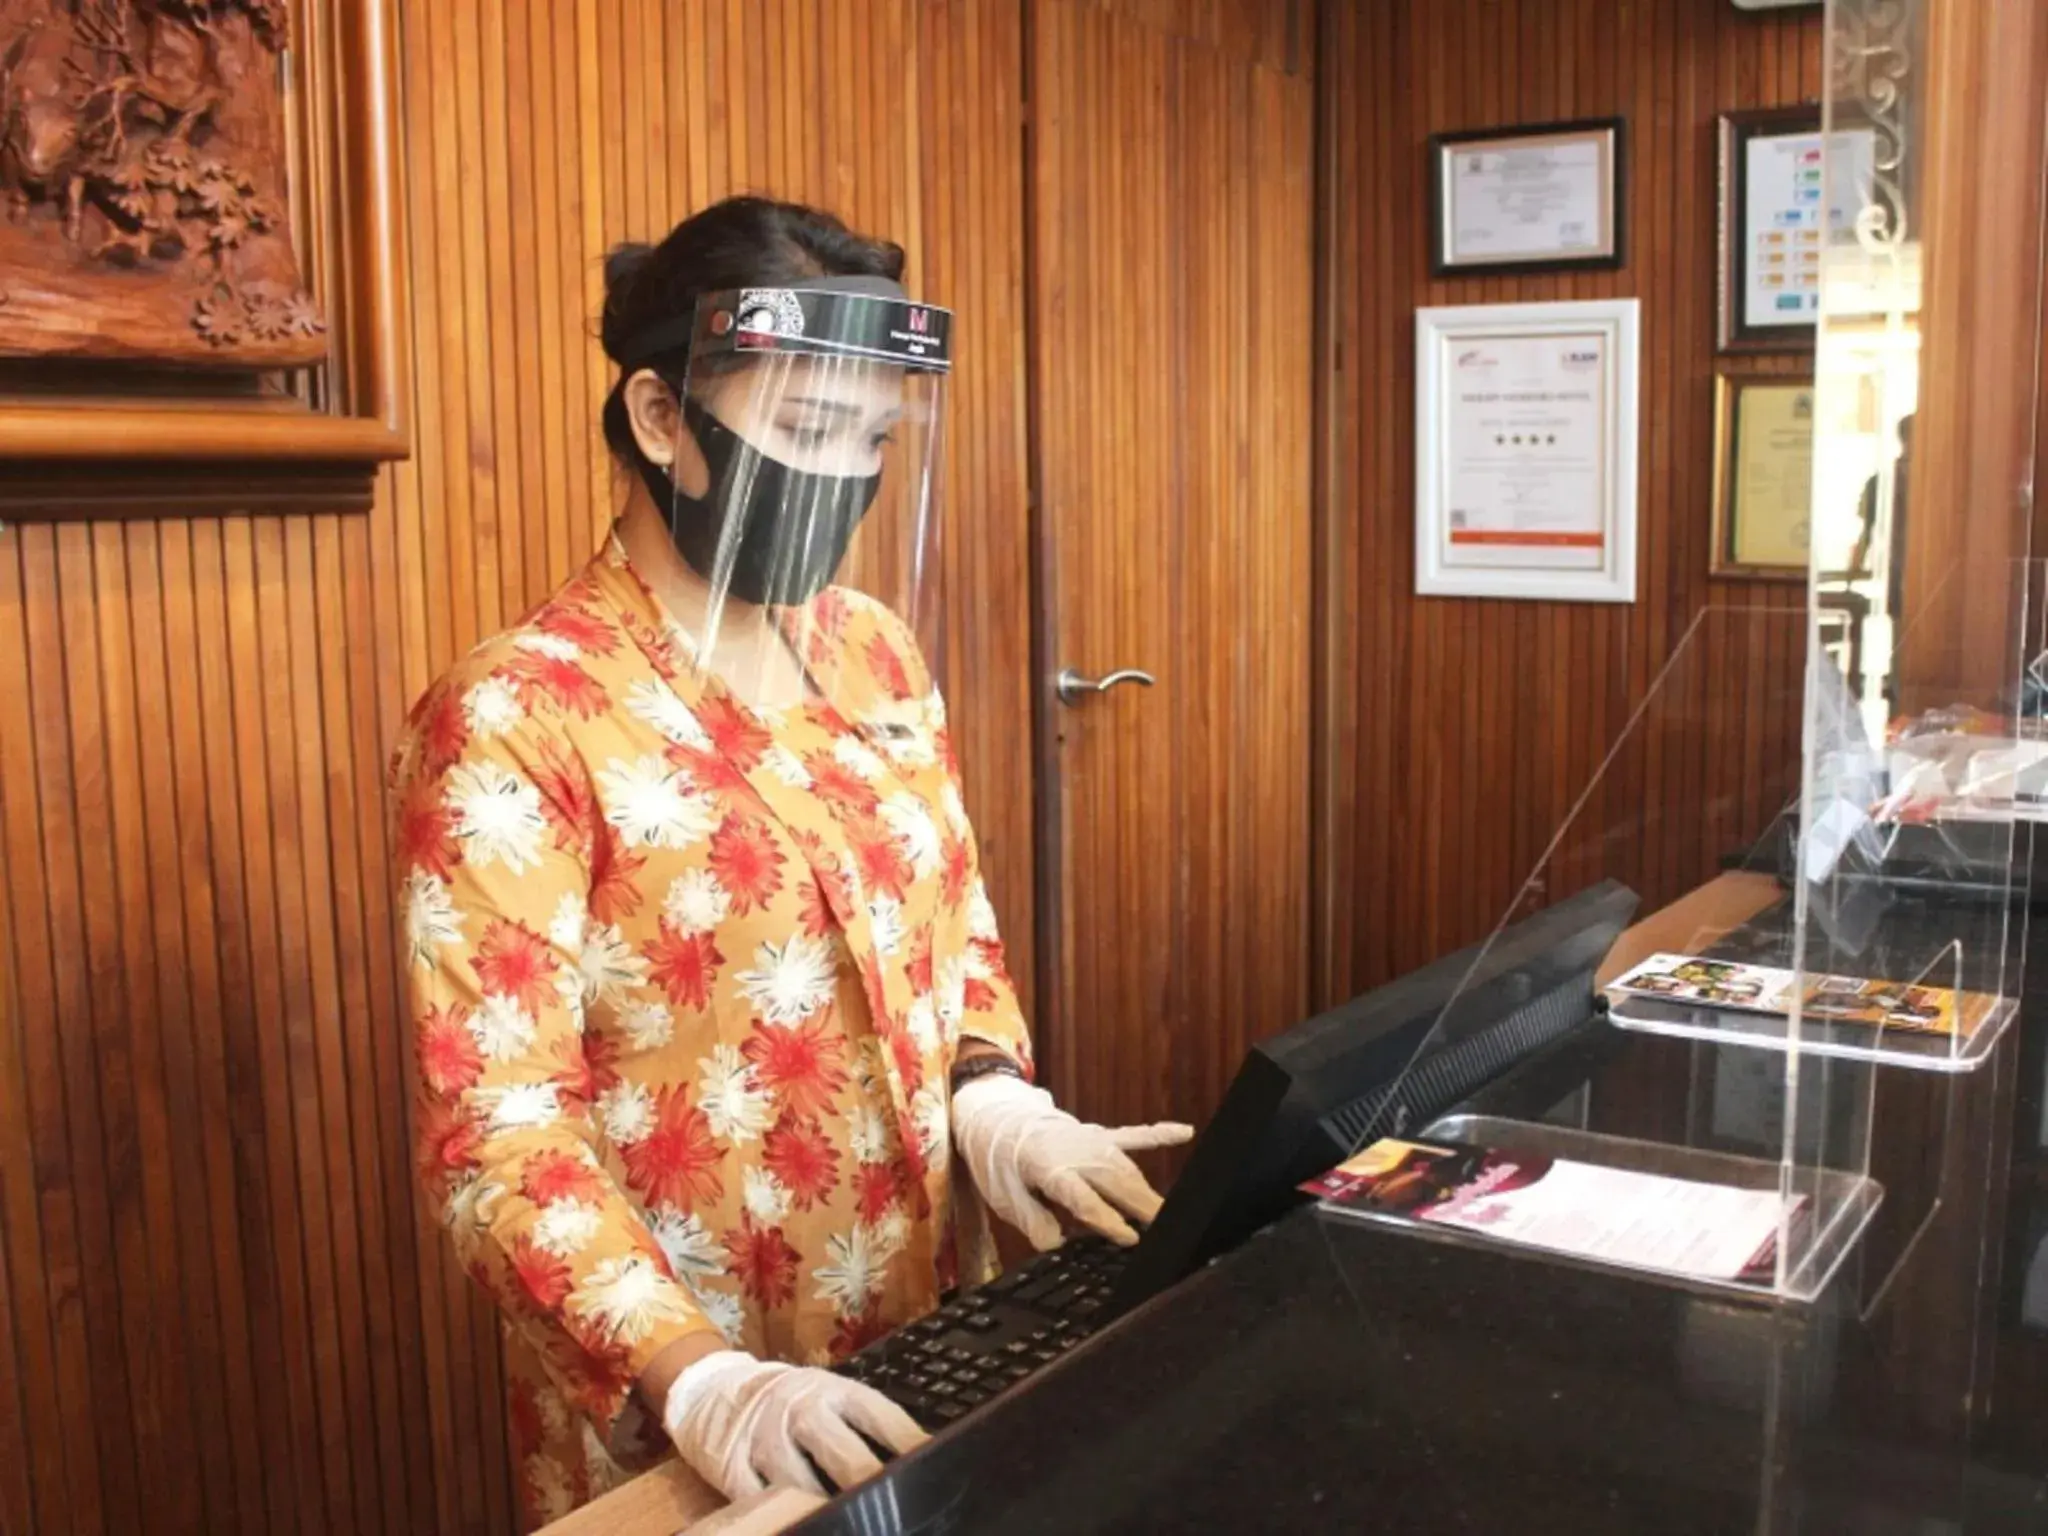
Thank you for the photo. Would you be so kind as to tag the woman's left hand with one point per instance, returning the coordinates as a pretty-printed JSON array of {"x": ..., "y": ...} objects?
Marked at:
[{"x": 1023, "y": 1150}]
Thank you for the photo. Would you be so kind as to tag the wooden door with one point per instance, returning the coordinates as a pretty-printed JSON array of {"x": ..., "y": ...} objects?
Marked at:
[{"x": 1171, "y": 358}]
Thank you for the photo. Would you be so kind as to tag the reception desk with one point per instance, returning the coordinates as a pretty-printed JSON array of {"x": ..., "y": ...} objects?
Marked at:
[{"x": 1335, "y": 1376}]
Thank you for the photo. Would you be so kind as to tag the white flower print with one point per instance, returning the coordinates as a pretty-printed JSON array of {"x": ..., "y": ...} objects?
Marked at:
[
  {"x": 733, "y": 1100},
  {"x": 696, "y": 903},
  {"x": 786, "y": 766},
  {"x": 952, "y": 991},
  {"x": 554, "y": 647},
  {"x": 790, "y": 981},
  {"x": 472, "y": 1206},
  {"x": 885, "y": 923},
  {"x": 981, "y": 912},
  {"x": 497, "y": 815},
  {"x": 492, "y": 708},
  {"x": 522, "y": 1107},
  {"x": 503, "y": 1030},
  {"x": 892, "y": 1232},
  {"x": 691, "y": 1248},
  {"x": 766, "y": 1199},
  {"x": 858, "y": 758},
  {"x": 565, "y": 928},
  {"x": 922, "y": 1020},
  {"x": 609, "y": 965},
  {"x": 722, "y": 1309},
  {"x": 566, "y": 1227},
  {"x": 870, "y": 1071},
  {"x": 868, "y": 1135},
  {"x": 647, "y": 1023},
  {"x": 555, "y": 1417},
  {"x": 852, "y": 1273},
  {"x": 430, "y": 916},
  {"x": 911, "y": 748},
  {"x": 953, "y": 808},
  {"x": 627, "y": 1111},
  {"x": 657, "y": 704},
  {"x": 935, "y": 708},
  {"x": 653, "y": 805},
  {"x": 928, "y": 1112},
  {"x": 627, "y": 1297},
  {"x": 906, "y": 817},
  {"x": 547, "y": 1485},
  {"x": 569, "y": 988}
]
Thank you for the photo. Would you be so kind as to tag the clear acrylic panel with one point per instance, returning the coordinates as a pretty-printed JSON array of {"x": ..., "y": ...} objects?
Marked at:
[
  {"x": 1695, "y": 810},
  {"x": 1918, "y": 857}
]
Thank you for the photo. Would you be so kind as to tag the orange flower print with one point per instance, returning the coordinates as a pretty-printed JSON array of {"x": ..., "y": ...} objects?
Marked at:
[
  {"x": 737, "y": 735},
  {"x": 551, "y": 1176},
  {"x": 802, "y": 1156},
  {"x": 746, "y": 861},
  {"x": 558, "y": 680},
  {"x": 441, "y": 730},
  {"x": 426, "y": 838},
  {"x": 839, "y": 786},
  {"x": 684, "y": 965},
  {"x": 800, "y": 1063},
  {"x": 676, "y": 1163},
  {"x": 449, "y": 1058},
  {"x": 576, "y": 624},
  {"x": 614, "y": 875},
  {"x": 542, "y": 1275},
  {"x": 513, "y": 961},
  {"x": 887, "y": 667},
  {"x": 764, "y": 1262},
  {"x": 567, "y": 797},
  {"x": 877, "y": 858},
  {"x": 875, "y": 1188}
]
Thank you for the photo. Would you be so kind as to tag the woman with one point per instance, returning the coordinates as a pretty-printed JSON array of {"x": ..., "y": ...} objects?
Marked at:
[{"x": 707, "y": 993}]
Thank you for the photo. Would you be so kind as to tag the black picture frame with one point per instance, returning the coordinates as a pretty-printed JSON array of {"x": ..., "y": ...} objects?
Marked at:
[
  {"x": 1733, "y": 335},
  {"x": 1443, "y": 148}
]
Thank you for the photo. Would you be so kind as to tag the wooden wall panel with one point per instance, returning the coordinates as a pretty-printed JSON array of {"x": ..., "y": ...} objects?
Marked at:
[
  {"x": 1455, "y": 735},
  {"x": 219, "y": 1309}
]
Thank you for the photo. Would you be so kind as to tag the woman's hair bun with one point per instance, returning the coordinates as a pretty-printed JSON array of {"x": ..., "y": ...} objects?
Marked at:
[{"x": 623, "y": 265}]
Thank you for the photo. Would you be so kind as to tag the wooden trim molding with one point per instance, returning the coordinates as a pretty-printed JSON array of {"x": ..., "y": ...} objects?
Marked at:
[{"x": 333, "y": 422}]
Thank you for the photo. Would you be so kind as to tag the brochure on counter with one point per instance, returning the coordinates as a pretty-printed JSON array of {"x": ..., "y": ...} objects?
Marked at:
[
  {"x": 1827, "y": 999},
  {"x": 1613, "y": 1215}
]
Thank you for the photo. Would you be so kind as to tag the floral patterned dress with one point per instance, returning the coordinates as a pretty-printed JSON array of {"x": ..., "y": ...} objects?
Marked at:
[{"x": 687, "y": 979}]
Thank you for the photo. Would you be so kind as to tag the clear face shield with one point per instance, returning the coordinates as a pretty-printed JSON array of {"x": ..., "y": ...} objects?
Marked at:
[{"x": 805, "y": 490}]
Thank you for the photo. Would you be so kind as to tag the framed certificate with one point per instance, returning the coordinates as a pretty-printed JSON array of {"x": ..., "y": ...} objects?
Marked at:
[
  {"x": 1546, "y": 198},
  {"x": 1772, "y": 226},
  {"x": 1763, "y": 476},
  {"x": 1525, "y": 451}
]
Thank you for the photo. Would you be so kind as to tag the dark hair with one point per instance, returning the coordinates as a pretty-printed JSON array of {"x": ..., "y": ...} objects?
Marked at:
[{"x": 743, "y": 242}]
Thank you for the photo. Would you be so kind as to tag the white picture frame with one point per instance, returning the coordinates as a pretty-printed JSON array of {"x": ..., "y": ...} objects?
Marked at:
[{"x": 1552, "y": 519}]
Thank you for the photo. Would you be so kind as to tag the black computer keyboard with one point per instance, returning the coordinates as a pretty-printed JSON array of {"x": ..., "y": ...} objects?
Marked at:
[{"x": 984, "y": 1341}]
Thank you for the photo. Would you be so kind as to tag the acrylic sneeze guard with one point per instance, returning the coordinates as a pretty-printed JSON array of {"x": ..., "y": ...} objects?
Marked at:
[{"x": 1840, "y": 784}]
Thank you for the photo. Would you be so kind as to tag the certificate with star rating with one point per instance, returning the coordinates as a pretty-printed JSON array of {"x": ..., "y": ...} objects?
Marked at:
[{"x": 1525, "y": 477}]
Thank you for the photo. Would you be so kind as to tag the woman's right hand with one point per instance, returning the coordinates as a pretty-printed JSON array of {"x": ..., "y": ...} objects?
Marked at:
[{"x": 745, "y": 1424}]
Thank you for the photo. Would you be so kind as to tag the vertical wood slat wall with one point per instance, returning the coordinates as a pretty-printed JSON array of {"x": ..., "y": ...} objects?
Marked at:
[
  {"x": 1455, "y": 735},
  {"x": 218, "y": 1309}
]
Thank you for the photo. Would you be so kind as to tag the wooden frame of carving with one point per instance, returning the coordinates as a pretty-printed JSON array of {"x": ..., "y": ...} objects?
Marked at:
[{"x": 212, "y": 444}]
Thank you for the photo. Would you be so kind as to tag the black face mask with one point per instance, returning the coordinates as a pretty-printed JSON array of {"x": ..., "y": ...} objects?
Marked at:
[{"x": 794, "y": 526}]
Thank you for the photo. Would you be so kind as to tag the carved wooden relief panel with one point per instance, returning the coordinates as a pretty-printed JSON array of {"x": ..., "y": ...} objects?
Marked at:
[{"x": 143, "y": 198}]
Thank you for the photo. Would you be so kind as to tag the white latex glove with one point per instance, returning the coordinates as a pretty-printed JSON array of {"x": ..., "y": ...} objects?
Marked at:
[
  {"x": 744, "y": 1424},
  {"x": 1019, "y": 1146}
]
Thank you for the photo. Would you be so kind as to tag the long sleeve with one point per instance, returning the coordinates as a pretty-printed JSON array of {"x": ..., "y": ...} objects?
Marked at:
[{"x": 498, "y": 833}]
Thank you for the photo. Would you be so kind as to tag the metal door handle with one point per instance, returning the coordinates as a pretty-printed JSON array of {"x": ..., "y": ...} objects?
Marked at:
[{"x": 1072, "y": 687}]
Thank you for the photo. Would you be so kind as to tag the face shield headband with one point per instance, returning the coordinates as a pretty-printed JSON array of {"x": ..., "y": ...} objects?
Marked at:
[{"x": 765, "y": 531}]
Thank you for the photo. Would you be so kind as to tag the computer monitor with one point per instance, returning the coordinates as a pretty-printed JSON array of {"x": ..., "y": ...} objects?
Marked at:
[{"x": 1304, "y": 1100}]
